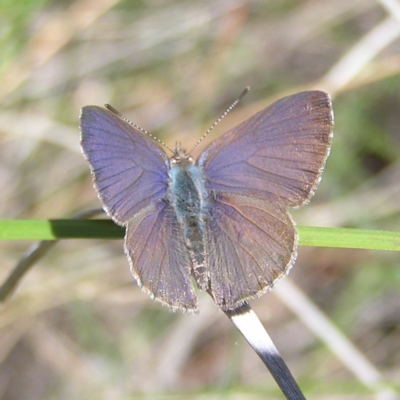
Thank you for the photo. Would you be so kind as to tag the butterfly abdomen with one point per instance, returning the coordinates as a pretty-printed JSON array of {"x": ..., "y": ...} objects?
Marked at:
[{"x": 188, "y": 198}]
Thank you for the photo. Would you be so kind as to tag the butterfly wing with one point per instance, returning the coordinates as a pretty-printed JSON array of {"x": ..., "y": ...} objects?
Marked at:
[
  {"x": 276, "y": 155},
  {"x": 130, "y": 171},
  {"x": 251, "y": 244},
  {"x": 158, "y": 257}
]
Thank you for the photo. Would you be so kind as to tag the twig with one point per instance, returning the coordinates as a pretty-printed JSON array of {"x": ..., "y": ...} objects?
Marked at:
[{"x": 245, "y": 319}]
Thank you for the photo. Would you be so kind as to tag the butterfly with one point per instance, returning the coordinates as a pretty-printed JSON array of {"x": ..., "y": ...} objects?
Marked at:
[{"x": 222, "y": 220}]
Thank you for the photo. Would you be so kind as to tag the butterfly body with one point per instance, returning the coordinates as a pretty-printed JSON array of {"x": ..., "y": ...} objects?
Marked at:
[
  {"x": 189, "y": 200},
  {"x": 224, "y": 219}
]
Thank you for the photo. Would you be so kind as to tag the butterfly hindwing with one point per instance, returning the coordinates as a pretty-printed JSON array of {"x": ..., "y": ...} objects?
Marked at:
[
  {"x": 277, "y": 154},
  {"x": 130, "y": 171},
  {"x": 158, "y": 257},
  {"x": 251, "y": 244}
]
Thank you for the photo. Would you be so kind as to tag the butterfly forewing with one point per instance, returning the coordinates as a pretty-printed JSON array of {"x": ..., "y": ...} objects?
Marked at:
[
  {"x": 159, "y": 259},
  {"x": 276, "y": 155},
  {"x": 130, "y": 171},
  {"x": 251, "y": 244}
]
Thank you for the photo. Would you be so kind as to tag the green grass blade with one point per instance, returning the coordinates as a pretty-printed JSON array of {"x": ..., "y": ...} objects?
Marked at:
[
  {"x": 349, "y": 238},
  {"x": 43, "y": 229},
  {"x": 38, "y": 229}
]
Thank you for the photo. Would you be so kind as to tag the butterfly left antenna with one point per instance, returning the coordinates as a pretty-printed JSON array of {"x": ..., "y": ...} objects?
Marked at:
[
  {"x": 229, "y": 109},
  {"x": 116, "y": 112}
]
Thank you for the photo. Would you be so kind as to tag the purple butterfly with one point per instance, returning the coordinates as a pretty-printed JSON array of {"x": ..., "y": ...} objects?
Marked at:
[{"x": 222, "y": 220}]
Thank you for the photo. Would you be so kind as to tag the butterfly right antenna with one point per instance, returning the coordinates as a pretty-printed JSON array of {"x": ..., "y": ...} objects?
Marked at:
[{"x": 229, "y": 109}]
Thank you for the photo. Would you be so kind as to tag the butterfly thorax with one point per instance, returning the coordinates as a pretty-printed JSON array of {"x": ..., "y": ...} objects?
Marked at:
[{"x": 188, "y": 198}]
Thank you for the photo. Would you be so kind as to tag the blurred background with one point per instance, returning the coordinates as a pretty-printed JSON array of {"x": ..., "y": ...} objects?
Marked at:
[{"x": 79, "y": 327}]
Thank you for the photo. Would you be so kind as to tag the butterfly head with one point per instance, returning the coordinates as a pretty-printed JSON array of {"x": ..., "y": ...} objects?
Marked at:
[{"x": 180, "y": 156}]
